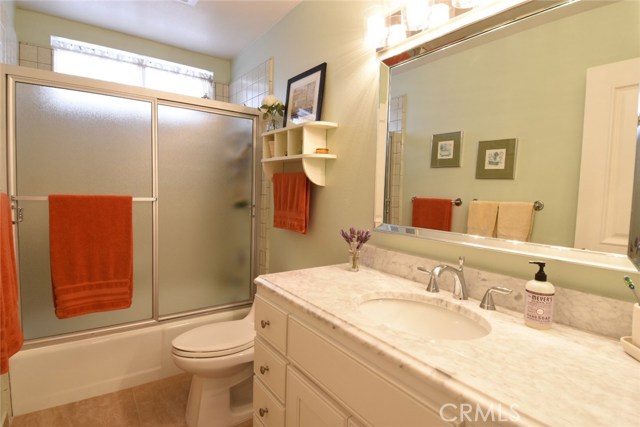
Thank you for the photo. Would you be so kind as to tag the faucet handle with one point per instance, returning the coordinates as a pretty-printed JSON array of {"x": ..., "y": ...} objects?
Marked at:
[
  {"x": 487, "y": 301},
  {"x": 432, "y": 286}
]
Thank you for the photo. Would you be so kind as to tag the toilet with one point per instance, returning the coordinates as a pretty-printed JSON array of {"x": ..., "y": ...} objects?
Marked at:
[{"x": 220, "y": 357}]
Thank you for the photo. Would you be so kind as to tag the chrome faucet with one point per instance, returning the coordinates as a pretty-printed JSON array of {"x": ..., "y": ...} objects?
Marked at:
[
  {"x": 432, "y": 286},
  {"x": 459, "y": 286},
  {"x": 487, "y": 301}
]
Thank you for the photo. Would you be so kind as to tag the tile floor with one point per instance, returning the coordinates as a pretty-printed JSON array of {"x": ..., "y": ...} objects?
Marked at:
[{"x": 158, "y": 404}]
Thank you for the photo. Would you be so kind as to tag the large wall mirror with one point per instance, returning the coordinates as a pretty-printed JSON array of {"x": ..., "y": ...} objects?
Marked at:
[{"x": 562, "y": 84}]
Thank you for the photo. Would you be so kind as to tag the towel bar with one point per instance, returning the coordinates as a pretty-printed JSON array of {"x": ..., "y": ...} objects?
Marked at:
[
  {"x": 20, "y": 211},
  {"x": 45, "y": 198},
  {"x": 538, "y": 205},
  {"x": 456, "y": 202}
]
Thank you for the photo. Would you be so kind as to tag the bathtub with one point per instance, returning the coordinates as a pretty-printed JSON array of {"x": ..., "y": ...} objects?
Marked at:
[{"x": 52, "y": 375}]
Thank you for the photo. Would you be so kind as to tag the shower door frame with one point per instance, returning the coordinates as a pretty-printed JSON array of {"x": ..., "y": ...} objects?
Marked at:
[{"x": 12, "y": 75}]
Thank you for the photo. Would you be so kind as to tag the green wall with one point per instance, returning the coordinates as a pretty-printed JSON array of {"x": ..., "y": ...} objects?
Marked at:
[
  {"x": 333, "y": 32},
  {"x": 37, "y": 28},
  {"x": 313, "y": 33}
]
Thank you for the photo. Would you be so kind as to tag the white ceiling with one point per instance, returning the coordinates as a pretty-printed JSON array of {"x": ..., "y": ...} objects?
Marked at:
[{"x": 221, "y": 28}]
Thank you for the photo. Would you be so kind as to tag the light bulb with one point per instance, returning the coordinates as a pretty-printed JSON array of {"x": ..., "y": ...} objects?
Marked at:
[
  {"x": 417, "y": 13},
  {"x": 376, "y": 29},
  {"x": 440, "y": 13}
]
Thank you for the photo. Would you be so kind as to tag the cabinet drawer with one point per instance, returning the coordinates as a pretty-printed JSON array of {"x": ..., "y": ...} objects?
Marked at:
[
  {"x": 266, "y": 408},
  {"x": 270, "y": 368},
  {"x": 271, "y": 324}
]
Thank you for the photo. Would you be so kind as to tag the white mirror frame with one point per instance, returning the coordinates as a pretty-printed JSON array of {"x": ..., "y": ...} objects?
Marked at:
[{"x": 487, "y": 20}]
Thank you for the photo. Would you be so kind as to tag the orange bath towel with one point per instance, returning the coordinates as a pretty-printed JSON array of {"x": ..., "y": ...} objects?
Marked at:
[
  {"x": 11, "y": 337},
  {"x": 291, "y": 196},
  {"x": 432, "y": 213},
  {"x": 91, "y": 250}
]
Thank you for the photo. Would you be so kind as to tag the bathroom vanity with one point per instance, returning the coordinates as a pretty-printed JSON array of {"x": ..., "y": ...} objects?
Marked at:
[{"x": 321, "y": 358}]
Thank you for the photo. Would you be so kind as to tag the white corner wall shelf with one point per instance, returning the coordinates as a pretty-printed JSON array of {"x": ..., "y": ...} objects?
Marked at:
[{"x": 299, "y": 143}]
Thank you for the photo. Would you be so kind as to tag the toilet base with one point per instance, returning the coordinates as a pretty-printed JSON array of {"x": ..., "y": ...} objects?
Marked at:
[{"x": 210, "y": 402}]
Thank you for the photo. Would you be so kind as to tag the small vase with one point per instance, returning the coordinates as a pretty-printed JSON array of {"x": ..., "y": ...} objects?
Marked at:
[
  {"x": 271, "y": 124},
  {"x": 354, "y": 260}
]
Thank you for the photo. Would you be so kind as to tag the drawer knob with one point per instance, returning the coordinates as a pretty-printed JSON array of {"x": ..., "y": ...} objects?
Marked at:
[
  {"x": 264, "y": 323},
  {"x": 264, "y": 369},
  {"x": 263, "y": 411}
]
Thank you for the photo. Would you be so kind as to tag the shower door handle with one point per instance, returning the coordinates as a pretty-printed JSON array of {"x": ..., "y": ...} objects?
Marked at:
[{"x": 19, "y": 214}]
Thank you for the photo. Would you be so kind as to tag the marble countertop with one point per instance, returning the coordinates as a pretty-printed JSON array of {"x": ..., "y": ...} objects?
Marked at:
[{"x": 556, "y": 377}]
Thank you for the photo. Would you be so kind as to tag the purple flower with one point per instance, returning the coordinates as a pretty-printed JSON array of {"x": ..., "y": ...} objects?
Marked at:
[
  {"x": 345, "y": 236},
  {"x": 355, "y": 238}
]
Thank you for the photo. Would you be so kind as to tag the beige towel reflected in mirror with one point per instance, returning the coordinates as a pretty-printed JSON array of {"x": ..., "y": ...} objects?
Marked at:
[
  {"x": 482, "y": 217},
  {"x": 515, "y": 221}
]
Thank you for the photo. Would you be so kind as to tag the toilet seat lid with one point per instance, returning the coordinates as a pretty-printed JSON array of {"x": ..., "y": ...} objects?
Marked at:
[{"x": 216, "y": 339}]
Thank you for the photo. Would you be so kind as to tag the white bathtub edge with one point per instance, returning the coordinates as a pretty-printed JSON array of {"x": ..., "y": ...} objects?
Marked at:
[{"x": 49, "y": 376}]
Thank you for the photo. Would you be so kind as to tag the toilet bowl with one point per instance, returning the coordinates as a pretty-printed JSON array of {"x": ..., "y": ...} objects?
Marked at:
[{"x": 220, "y": 357}]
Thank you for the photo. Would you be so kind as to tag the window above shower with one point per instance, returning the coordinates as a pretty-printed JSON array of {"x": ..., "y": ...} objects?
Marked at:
[{"x": 103, "y": 63}]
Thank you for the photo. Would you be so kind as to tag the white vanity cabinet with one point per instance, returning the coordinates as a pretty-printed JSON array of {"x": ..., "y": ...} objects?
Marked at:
[{"x": 325, "y": 382}]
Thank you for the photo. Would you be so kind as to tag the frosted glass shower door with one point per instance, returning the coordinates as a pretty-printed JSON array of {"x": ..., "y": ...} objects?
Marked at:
[
  {"x": 76, "y": 142},
  {"x": 204, "y": 201}
]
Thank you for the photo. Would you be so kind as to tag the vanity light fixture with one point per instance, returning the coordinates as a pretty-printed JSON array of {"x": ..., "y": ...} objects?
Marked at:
[
  {"x": 393, "y": 21},
  {"x": 466, "y": 4},
  {"x": 188, "y": 2}
]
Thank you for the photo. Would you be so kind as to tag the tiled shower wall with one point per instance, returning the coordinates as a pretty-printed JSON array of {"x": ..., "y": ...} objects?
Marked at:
[
  {"x": 221, "y": 91},
  {"x": 8, "y": 37},
  {"x": 249, "y": 89},
  {"x": 32, "y": 56},
  {"x": 397, "y": 122}
]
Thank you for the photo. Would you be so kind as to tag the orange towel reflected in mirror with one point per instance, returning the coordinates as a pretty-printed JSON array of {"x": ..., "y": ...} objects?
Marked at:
[
  {"x": 431, "y": 213},
  {"x": 91, "y": 250}
]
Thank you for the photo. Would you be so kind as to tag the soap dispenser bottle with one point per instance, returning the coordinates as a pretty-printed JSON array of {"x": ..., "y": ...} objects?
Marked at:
[{"x": 538, "y": 307}]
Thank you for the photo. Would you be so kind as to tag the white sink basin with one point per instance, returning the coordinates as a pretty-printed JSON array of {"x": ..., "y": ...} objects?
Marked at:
[{"x": 430, "y": 319}]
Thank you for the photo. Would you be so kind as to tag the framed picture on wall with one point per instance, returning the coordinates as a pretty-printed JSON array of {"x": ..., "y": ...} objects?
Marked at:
[
  {"x": 496, "y": 159},
  {"x": 304, "y": 96},
  {"x": 445, "y": 150}
]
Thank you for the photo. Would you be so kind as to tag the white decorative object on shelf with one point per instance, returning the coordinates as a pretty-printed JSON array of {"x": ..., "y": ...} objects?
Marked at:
[{"x": 300, "y": 142}]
